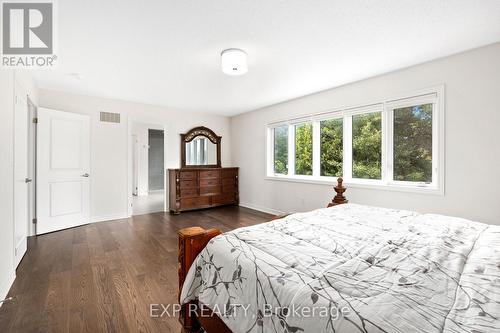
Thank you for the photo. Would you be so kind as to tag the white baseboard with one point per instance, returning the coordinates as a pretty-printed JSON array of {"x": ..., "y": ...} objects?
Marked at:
[
  {"x": 5, "y": 287},
  {"x": 262, "y": 208},
  {"x": 111, "y": 217}
]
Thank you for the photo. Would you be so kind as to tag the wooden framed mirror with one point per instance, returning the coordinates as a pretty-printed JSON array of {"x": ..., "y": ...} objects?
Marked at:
[{"x": 200, "y": 148}]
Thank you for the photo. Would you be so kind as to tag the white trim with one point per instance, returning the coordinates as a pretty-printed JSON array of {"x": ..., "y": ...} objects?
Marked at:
[
  {"x": 291, "y": 149},
  {"x": 384, "y": 142},
  {"x": 111, "y": 217},
  {"x": 359, "y": 183},
  {"x": 316, "y": 149},
  {"x": 364, "y": 110},
  {"x": 347, "y": 148},
  {"x": 269, "y": 160},
  {"x": 389, "y": 143},
  {"x": 334, "y": 114},
  {"x": 5, "y": 288},
  {"x": 412, "y": 101},
  {"x": 262, "y": 209}
]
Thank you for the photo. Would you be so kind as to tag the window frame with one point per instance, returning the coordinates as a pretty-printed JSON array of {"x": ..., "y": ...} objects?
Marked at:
[
  {"x": 270, "y": 151},
  {"x": 317, "y": 141},
  {"x": 433, "y": 95}
]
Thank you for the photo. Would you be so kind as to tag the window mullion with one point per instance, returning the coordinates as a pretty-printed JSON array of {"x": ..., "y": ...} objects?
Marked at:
[
  {"x": 387, "y": 145},
  {"x": 316, "y": 149},
  {"x": 435, "y": 144},
  {"x": 347, "y": 148},
  {"x": 270, "y": 152},
  {"x": 291, "y": 150}
]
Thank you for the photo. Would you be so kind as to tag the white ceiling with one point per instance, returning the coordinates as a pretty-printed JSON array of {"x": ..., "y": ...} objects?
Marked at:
[{"x": 168, "y": 52}]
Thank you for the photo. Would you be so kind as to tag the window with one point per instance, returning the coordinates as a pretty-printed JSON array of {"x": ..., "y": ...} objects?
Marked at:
[
  {"x": 413, "y": 143},
  {"x": 367, "y": 146},
  {"x": 281, "y": 150},
  {"x": 391, "y": 144},
  {"x": 303, "y": 149},
  {"x": 331, "y": 145}
]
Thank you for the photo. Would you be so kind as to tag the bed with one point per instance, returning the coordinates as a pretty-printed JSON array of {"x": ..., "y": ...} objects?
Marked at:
[{"x": 347, "y": 268}]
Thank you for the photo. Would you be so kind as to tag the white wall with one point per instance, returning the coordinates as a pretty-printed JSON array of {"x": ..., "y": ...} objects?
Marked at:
[
  {"x": 472, "y": 139},
  {"x": 7, "y": 77},
  {"x": 141, "y": 131},
  {"x": 7, "y": 184},
  {"x": 109, "y": 143}
]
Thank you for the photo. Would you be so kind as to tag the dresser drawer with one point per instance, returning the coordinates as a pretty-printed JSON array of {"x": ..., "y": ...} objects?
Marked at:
[
  {"x": 187, "y": 175},
  {"x": 209, "y": 190},
  {"x": 209, "y": 182},
  {"x": 189, "y": 192},
  {"x": 223, "y": 199},
  {"x": 209, "y": 174},
  {"x": 229, "y": 189},
  {"x": 228, "y": 181},
  {"x": 188, "y": 203},
  {"x": 187, "y": 184},
  {"x": 229, "y": 173}
]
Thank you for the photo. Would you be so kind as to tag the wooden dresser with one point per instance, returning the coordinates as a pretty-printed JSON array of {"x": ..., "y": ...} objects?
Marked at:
[{"x": 195, "y": 188}]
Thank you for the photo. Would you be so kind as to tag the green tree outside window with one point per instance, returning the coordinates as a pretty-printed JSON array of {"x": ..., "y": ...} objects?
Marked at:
[
  {"x": 281, "y": 150},
  {"x": 367, "y": 146},
  {"x": 413, "y": 143},
  {"x": 303, "y": 149},
  {"x": 331, "y": 143}
]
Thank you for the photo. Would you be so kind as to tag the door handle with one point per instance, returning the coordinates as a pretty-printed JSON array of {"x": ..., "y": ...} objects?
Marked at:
[
  {"x": 28, "y": 180},
  {"x": 86, "y": 175}
]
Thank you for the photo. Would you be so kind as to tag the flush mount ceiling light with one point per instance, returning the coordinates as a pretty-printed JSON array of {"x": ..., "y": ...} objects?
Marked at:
[{"x": 234, "y": 62}]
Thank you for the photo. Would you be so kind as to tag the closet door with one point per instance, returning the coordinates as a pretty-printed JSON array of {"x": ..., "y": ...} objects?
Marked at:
[{"x": 63, "y": 166}]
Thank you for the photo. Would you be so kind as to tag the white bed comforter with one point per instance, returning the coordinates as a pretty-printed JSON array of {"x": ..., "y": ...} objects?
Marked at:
[{"x": 384, "y": 270}]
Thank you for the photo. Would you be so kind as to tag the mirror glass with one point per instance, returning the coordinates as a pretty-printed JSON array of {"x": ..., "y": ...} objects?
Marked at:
[{"x": 201, "y": 151}]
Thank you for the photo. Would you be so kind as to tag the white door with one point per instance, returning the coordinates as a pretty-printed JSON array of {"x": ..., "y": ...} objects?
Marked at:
[
  {"x": 21, "y": 180},
  {"x": 63, "y": 170}
]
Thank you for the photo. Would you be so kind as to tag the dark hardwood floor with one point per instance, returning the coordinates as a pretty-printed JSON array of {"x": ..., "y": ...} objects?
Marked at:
[{"x": 102, "y": 277}]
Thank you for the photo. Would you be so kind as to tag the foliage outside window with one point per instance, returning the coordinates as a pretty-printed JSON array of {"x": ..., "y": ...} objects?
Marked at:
[
  {"x": 281, "y": 150},
  {"x": 413, "y": 143},
  {"x": 303, "y": 149},
  {"x": 331, "y": 143},
  {"x": 367, "y": 146}
]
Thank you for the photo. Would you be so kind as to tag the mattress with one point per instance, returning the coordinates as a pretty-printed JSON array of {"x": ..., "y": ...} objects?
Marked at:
[{"x": 352, "y": 268}]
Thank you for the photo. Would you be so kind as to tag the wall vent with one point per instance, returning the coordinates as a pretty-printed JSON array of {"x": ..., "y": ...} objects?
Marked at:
[{"x": 110, "y": 117}]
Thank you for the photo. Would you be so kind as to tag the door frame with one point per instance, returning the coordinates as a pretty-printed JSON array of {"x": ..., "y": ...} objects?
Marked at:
[
  {"x": 20, "y": 90},
  {"x": 135, "y": 171},
  {"x": 32, "y": 118},
  {"x": 149, "y": 160},
  {"x": 130, "y": 147}
]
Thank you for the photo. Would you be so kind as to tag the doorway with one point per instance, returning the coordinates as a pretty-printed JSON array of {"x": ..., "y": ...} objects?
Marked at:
[{"x": 148, "y": 168}]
